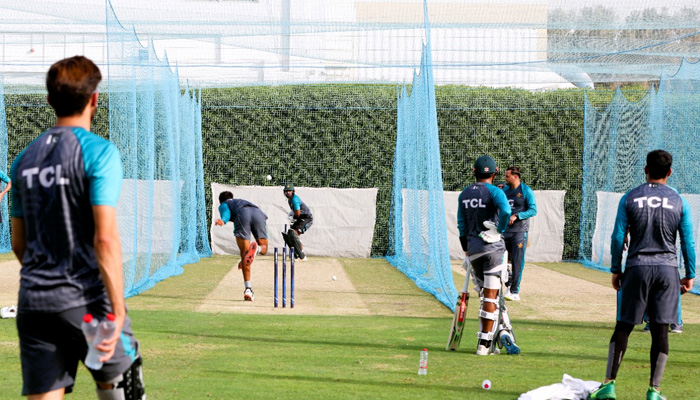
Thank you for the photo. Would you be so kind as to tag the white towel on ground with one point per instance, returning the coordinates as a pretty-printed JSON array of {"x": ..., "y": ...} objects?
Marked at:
[{"x": 569, "y": 389}]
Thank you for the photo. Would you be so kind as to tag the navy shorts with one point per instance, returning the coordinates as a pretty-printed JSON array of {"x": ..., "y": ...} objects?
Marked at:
[
  {"x": 653, "y": 289},
  {"x": 52, "y": 344},
  {"x": 303, "y": 223},
  {"x": 488, "y": 265},
  {"x": 250, "y": 220}
]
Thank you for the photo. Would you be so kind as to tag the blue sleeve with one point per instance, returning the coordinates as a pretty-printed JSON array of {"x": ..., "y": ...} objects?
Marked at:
[
  {"x": 4, "y": 177},
  {"x": 16, "y": 206},
  {"x": 224, "y": 212},
  {"x": 296, "y": 203},
  {"x": 618, "y": 236},
  {"x": 460, "y": 220},
  {"x": 103, "y": 168},
  {"x": 687, "y": 241},
  {"x": 501, "y": 201},
  {"x": 531, "y": 205}
]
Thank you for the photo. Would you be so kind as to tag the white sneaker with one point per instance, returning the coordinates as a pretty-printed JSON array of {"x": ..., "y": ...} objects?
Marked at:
[
  {"x": 248, "y": 294},
  {"x": 8, "y": 312},
  {"x": 511, "y": 296},
  {"x": 482, "y": 350}
]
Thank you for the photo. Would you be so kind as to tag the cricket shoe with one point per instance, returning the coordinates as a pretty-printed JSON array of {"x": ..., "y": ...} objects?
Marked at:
[
  {"x": 252, "y": 252},
  {"x": 248, "y": 294},
  {"x": 654, "y": 394},
  {"x": 8, "y": 312},
  {"x": 512, "y": 296},
  {"x": 484, "y": 348},
  {"x": 506, "y": 341},
  {"x": 606, "y": 391},
  {"x": 676, "y": 328}
]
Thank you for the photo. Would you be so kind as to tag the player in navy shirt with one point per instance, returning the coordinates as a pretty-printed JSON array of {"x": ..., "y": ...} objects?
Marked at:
[
  {"x": 248, "y": 220},
  {"x": 482, "y": 215},
  {"x": 302, "y": 219},
  {"x": 523, "y": 207},
  {"x": 654, "y": 214},
  {"x": 64, "y": 233}
]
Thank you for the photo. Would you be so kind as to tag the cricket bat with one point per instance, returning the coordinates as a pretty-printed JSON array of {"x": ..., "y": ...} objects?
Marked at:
[{"x": 460, "y": 311}]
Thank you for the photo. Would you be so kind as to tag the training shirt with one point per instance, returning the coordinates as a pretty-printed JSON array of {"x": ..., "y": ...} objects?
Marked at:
[
  {"x": 522, "y": 204},
  {"x": 230, "y": 208},
  {"x": 295, "y": 204},
  {"x": 654, "y": 213},
  {"x": 478, "y": 203},
  {"x": 55, "y": 181}
]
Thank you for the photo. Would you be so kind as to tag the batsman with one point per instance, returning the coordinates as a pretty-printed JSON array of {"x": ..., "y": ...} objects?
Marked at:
[
  {"x": 302, "y": 219},
  {"x": 482, "y": 216}
]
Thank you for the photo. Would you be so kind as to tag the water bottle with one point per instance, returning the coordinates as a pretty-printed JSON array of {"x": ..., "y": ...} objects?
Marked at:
[
  {"x": 89, "y": 327},
  {"x": 423, "y": 366},
  {"x": 104, "y": 331}
]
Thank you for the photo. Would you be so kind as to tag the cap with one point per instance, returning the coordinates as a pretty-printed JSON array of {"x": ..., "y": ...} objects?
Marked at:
[
  {"x": 485, "y": 165},
  {"x": 288, "y": 187}
]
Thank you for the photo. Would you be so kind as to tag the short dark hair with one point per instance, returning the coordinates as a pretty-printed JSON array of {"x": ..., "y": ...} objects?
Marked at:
[
  {"x": 70, "y": 83},
  {"x": 514, "y": 170},
  {"x": 223, "y": 196},
  {"x": 484, "y": 175},
  {"x": 659, "y": 163}
]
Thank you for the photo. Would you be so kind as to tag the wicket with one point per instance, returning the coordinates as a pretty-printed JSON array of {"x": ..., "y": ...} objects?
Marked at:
[{"x": 284, "y": 277}]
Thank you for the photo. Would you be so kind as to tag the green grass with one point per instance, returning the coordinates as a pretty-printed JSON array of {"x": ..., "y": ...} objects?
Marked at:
[{"x": 191, "y": 355}]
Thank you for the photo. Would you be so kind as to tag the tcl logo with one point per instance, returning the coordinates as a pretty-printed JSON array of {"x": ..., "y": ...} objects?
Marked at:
[
  {"x": 653, "y": 202},
  {"x": 473, "y": 203},
  {"x": 48, "y": 176}
]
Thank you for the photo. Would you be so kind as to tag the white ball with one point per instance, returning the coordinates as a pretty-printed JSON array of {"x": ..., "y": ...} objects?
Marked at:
[
  {"x": 269, "y": 177},
  {"x": 486, "y": 384},
  {"x": 334, "y": 278}
]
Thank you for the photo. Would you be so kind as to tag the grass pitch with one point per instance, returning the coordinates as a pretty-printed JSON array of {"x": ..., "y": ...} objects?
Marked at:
[{"x": 203, "y": 355}]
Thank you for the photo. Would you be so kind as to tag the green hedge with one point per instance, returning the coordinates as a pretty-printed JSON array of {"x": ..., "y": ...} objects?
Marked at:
[{"x": 343, "y": 136}]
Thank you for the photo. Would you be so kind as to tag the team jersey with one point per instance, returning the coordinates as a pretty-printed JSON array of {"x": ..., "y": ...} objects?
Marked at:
[
  {"x": 56, "y": 180},
  {"x": 295, "y": 204},
  {"x": 654, "y": 213},
  {"x": 231, "y": 207},
  {"x": 522, "y": 204},
  {"x": 478, "y": 203}
]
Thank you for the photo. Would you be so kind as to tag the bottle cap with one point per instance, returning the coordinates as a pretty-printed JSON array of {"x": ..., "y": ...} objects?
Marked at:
[
  {"x": 111, "y": 317},
  {"x": 425, "y": 349},
  {"x": 87, "y": 318}
]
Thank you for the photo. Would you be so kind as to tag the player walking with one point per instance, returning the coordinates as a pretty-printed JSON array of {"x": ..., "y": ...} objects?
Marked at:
[
  {"x": 482, "y": 215},
  {"x": 654, "y": 214},
  {"x": 247, "y": 219},
  {"x": 302, "y": 221},
  {"x": 66, "y": 185},
  {"x": 522, "y": 202}
]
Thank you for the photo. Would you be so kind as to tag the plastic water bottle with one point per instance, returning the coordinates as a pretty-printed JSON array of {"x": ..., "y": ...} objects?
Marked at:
[
  {"x": 89, "y": 327},
  {"x": 105, "y": 330},
  {"x": 423, "y": 365}
]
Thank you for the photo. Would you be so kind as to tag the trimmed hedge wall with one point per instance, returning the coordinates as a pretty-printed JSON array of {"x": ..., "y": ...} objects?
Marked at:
[{"x": 343, "y": 136}]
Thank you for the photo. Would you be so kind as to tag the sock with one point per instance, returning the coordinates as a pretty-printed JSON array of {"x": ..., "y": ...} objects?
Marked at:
[{"x": 247, "y": 285}]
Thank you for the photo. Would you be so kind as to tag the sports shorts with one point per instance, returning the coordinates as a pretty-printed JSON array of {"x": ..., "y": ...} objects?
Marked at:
[
  {"x": 250, "y": 220},
  {"x": 488, "y": 268},
  {"x": 52, "y": 344},
  {"x": 303, "y": 223},
  {"x": 653, "y": 289}
]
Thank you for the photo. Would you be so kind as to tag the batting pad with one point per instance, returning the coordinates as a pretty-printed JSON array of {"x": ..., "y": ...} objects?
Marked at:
[{"x": 343, "y": 224}]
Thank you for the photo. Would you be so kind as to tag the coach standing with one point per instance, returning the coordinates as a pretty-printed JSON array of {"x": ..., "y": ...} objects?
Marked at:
[
  {"x": 654, "y": 214},
  {"x": 522, "y": 202},
  {"x": 66, "y": 185}
]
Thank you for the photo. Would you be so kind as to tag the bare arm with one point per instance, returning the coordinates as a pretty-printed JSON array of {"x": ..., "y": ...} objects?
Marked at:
[
  {"x": 19, "y": 238},
  {"x": 109, "y": 259},
  {"x": 7, "y": 189}
]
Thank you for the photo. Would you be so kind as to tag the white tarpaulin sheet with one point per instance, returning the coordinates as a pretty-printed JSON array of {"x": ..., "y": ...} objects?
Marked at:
[
  {"x": 148, "y": 207},
  {"x": 546, "y": 234},
  {"x": 343, "y": 219},
  {"x": 606, "y": 212}
]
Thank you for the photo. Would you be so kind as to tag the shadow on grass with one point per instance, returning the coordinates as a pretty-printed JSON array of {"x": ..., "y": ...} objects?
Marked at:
[{"x": 401, "y": 385}]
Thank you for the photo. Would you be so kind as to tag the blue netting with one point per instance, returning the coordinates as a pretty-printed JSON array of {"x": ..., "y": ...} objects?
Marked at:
[
  {"x": 616, "y": 142},
  {"x": 418, "y": 232},
  {"x": 157, "y": 128},
  {"x": 5, "y": 245}
]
